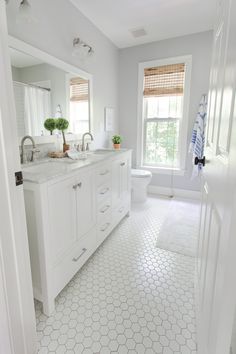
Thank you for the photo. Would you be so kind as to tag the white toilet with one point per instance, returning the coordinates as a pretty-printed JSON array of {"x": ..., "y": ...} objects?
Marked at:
[{"x": 140, "y": 179}]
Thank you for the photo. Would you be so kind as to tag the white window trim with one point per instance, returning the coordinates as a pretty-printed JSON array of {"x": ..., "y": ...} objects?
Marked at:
[{"x": 187, "y": 59}]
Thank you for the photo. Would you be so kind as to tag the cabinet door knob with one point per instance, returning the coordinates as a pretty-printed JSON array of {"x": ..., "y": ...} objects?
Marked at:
[
  {"x": 75, "y": 186},
  {"x": 79, "y": 184},
  {"x": 122, "y": 164}
]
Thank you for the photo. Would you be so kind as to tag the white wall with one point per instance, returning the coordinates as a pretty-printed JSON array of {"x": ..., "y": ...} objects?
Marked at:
[
  {"x": 58, "y": 23},
  {"x": 199, "y": 46}
]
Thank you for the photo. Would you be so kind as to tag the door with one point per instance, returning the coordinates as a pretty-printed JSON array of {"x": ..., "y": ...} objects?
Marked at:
[
  {"x": 62, "y": 217},
  {"x": 217, "y": 243},
  {"x": 16, "y": 293},
  {"x": 85, "y": 202}
]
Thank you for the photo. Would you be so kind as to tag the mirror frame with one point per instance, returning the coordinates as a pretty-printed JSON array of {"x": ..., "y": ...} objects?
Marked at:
[{"x": 60, "y": 64}]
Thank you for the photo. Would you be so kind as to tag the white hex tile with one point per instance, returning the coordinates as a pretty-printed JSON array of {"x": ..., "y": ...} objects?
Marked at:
[
  {"x": 113, "y": 345},
  {"x": 130, "y": 343},
  {"x": 140, "y": 348},
  {"x": 130, "y": 297}
]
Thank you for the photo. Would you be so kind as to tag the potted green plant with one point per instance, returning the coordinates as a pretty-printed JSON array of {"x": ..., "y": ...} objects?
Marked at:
[
  {"x": 116, "y": 139},
  {"x": 62, "y": 124},
  {"x": 50, "y": 124}
]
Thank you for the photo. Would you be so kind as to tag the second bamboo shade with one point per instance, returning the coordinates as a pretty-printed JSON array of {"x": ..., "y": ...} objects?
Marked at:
[
  {"x": 79, "y": 89},
  {"x": 166, "y": 80}
]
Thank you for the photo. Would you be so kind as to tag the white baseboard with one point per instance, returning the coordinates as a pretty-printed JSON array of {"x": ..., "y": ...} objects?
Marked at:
[{"x": 184, "y": 193}]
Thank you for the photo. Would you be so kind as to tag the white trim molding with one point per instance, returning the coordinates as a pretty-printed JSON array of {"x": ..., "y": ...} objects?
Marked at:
[{"x": 182, "y": 193}]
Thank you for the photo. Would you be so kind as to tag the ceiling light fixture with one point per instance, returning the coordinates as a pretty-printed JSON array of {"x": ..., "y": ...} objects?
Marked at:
[{"x": 81, "y": 49}]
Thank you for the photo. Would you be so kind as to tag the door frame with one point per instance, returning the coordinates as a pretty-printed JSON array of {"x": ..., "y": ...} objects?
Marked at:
[{"x": 19, "y": 334}]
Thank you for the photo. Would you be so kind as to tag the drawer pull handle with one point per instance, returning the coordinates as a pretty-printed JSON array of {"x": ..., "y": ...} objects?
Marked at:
[
  {"x": 105, "y": 209},
  {"x": 75, "y": 259},
  {"x": 104, "y": 173},
  {"x": 122, "y": 164},
  {"x": 104, "y": 191},
  {"x": 105, "y": 227},
  {"x": 121, "y": 209}
]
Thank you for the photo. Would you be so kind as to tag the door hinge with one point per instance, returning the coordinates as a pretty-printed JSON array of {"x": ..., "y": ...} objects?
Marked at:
[{"x": 18, "y": 178}]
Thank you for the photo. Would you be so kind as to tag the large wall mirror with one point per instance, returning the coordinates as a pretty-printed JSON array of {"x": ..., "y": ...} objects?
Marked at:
[{"x": 44, "y": 90}]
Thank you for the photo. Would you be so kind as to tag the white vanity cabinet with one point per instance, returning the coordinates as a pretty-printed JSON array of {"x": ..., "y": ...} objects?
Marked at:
[
  {"x": 69, "y": 216},
  {"x": 71, "y": 211}
]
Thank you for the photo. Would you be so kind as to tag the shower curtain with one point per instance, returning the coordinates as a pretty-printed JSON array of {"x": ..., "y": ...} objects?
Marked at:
[{"x": 37, "y": 109}]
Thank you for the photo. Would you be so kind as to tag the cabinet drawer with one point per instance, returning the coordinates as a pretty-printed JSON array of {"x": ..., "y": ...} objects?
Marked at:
[
  {"x": 73, "y": 261},
  {"x": 104, "y": 192},
  {"x": 104, "y": 228},
  {"x": 103, "y": 209},
  {"x": 103, "y": 173}
]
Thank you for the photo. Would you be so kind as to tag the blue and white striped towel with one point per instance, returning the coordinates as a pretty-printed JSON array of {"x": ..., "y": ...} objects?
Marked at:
[{"x": 198, "y": 135}]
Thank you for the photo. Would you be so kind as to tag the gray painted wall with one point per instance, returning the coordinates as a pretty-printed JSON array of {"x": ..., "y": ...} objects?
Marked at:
[
  {"x": 199, "y": 46},
  {"x": 15, "y": 73},
  {"x": 58, "y": 23}
]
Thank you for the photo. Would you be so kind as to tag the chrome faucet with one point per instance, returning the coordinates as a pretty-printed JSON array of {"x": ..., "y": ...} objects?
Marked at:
[
  {"x": 22, "y": 154},
  {"x": 87, "y": 146}
]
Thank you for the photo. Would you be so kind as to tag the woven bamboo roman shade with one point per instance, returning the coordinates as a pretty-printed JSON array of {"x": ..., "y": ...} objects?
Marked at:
[
  {"x": 166, "y": 80},
  {"x": 79, "y": 89}
]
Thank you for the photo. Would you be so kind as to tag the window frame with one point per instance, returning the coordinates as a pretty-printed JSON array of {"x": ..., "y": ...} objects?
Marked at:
[{"x": 183, "y": 125}]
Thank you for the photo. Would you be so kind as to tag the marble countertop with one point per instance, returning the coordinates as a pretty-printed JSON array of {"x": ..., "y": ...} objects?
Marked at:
[{"x": 47, "y": 169}]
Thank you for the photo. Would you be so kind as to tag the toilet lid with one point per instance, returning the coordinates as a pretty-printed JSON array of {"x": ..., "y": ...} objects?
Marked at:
[{"x": 140, "y": 173}]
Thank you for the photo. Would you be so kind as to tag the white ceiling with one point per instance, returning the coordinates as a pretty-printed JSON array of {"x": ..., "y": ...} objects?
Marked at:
[
  {"x": 22, "y": 60},
  {"x": 161, "y": 19}
]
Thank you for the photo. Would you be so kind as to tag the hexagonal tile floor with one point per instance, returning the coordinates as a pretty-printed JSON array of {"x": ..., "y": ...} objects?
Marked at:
[{"x": 130, "y": 297}]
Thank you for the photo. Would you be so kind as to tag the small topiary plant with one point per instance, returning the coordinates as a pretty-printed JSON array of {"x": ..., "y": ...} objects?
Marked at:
[
  {"x": 62, "y": 124},
  {"x": 50, "y": 124}
]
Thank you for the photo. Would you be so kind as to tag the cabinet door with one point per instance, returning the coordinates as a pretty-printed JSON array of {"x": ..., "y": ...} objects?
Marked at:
[
  {"x": 116, "y": 183},
  {"x": 62, "y": 216},
  {"x": 125, "y": 178},
  {"x": 85, "y": 197},
  {"x": 120, "y": 180}
]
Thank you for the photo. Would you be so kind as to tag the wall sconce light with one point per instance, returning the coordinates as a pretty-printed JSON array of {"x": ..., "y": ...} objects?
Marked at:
[
  {"x": 81, "y": 49},
  {"x": 24, "y": 14}
]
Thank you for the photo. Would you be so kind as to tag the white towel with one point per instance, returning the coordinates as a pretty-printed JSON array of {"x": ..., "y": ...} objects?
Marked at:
[{"x": 197, "y": 144}]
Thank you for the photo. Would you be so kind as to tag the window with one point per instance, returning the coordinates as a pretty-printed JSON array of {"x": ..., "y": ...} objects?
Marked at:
[
  {"x": 79, "y": 105},
  {"x": 164, "y": 101}
]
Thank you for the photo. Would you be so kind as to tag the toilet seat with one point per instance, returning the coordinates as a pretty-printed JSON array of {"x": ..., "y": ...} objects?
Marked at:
[{"x": 140, "y": 173}]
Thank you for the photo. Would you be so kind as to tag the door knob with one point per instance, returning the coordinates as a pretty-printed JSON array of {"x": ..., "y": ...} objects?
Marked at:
[{"x": 202, "y": 161}]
